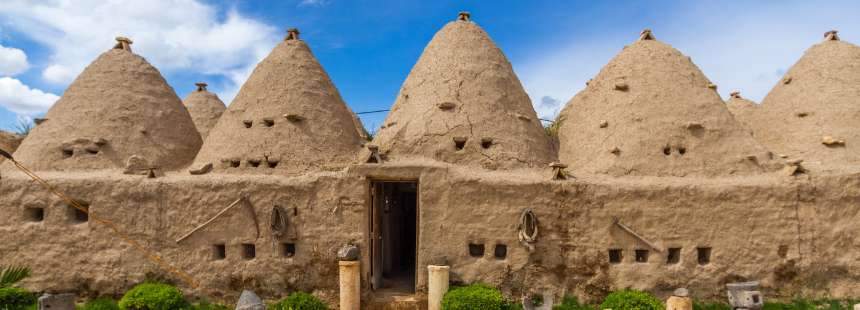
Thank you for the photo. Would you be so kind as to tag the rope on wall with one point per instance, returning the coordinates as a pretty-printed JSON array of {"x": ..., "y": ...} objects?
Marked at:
[
  {"x": 279, "y": 222},
  {"x": 528, "y": 229}
]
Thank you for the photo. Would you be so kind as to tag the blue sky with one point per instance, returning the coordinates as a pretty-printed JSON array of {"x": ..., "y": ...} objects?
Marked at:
[{"x": 368, "y": 47}]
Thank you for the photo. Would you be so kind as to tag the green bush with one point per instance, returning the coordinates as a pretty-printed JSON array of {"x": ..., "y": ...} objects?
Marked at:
[
  {"x": 571, "y": 303},
  {"x": 512, "y": 305},
  {"x": 631, "y": 300},
  {"x": 153, "y": 296},
  {"x": 711, "y": 306},
  {"x": 205, "y": 305},
  {"x": 16, "y": 298},
  {"x": 299, "y": 301},
  {"x": 100, "y": 304},
  {"x": 475, "y": 296},
  {"x": 805, "y": 304}
]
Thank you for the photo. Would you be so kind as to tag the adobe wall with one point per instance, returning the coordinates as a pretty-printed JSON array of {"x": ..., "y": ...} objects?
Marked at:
[{"x": 796, "y": 235}]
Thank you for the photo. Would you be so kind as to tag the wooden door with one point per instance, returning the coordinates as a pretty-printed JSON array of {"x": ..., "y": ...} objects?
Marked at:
[{"x": 376, "y": 208}]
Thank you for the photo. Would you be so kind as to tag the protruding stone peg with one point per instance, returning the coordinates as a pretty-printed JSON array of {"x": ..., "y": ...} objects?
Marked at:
[
  {"x": 292, "y": 34},
  {"x": 294, "y": 117},
  {"x": 646, "y": 35},
  {"x": 374, "y": 157},
  {"x": 201, "y": 86},
  {"x": 123, "y": 43},
  {"x": 447, "y": 105},
  {"x": 831, "y": 35},
  {"x": 712, "y": 86},
  {"x": 465, "y": 16},
  {"x": 558, "y": 172},
  {"x": 735, "y": 94}
]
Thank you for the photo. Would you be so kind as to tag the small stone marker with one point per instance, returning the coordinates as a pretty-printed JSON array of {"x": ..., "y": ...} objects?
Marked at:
[
  {"x": 680, "y": 300},
  {"x": 250, "y": 301},
  {"x": 57, "y": 302},
  {"x": 348, "y": 252},
  {"x": 745, "y": 295}
]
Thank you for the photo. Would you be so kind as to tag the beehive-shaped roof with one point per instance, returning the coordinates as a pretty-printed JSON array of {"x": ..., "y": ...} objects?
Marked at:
[
  {"x": 287, "y": 118},
  {"x": 742, "y": 109},
  {"x": 813, "y": 113},
  {"x": 651, "y": 112},
  {"x": 119, "y": 106},
  {"x": 463, "y": 104},
  {"x": 205, "y": 109}
]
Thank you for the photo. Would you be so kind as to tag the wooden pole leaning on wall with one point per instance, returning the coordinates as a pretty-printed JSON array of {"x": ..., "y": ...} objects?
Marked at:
[{"x": 117, "y": 231}]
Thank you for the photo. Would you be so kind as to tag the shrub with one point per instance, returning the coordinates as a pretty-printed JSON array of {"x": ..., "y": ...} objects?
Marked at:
[
  {"x": 16, "y": 298},
  {"x": 300, "y": 301},
  {"x": 631, "y": 300},
  {"x": 571, "y": 303},
  {"x": 475, "y": 296},
  {"x": 711, "y": 306},
  {"x": 153, "y": 296},
  {"x": 205, "y": 305},
  {"x": 100, "y": 304}
]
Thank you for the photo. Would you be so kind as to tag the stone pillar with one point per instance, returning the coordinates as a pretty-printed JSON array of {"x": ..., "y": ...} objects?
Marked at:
[
  {"x": 437, "y": 286},
  {"x": 350, "y": 285},
  {"x": 57, "y": 302},
  {"x": 679, "y": 303}
]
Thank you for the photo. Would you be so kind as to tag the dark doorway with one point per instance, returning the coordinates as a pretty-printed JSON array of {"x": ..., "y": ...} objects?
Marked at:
[{"x": 393, "y": 234}]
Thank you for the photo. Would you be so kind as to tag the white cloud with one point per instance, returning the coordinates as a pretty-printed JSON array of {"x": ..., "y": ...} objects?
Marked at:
[
  {"x": 21, "y": 99},
  {"x": 548, "y": 107},
  {"x": 313, "y": 3},
  {"x": 58, "y": 74},
  {"x": 12, "y": 61},
  {"x": 174, "y": 35},
  {"x": 746, "y": 48}
]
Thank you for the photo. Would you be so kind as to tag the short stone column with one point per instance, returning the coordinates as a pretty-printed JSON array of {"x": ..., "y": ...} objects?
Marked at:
[
  {"x": 437, "y": 286},
  {"x": 57, "y": 302},
  {"x": 350, "y": 285},
  {"x": 680, "y": 300}
]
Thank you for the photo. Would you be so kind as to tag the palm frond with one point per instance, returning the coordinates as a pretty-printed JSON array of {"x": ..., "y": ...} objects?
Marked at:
[
  {"x": 23, "y": 125},
  {"x": 551, "y": 129},
  {"x": 12, "y": 274}
]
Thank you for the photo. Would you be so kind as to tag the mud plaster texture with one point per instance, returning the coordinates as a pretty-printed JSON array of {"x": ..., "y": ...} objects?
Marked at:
[
  {"x": 793, "y": 234},
  {"x": 205, "y": 109},
  {"x": 463, "y": 87},
  {"x": 817, "y": 97},
  {"x": 650, "y": 112},
  {"x": 118, "y": 107},
  {"x": 743, "y": 110},
  {"x": 9, "y": 142},
  {"x": 288, "y": 118}
]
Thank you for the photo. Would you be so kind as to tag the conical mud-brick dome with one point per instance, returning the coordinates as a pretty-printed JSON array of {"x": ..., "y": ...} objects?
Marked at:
[
  {"x": 742, "y": 109},
  {"x": 813, "y": 113},
  {"x": 463, "y": 104},
  {"x": 287, "y": 118},
  {"x": 205, "y": 109},
  {"x": 651, "y": 112},
  {"x": 118, "y": 107}
]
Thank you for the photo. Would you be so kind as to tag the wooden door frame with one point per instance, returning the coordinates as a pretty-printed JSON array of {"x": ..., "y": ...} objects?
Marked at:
[{"x": 373, "y": 184}]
